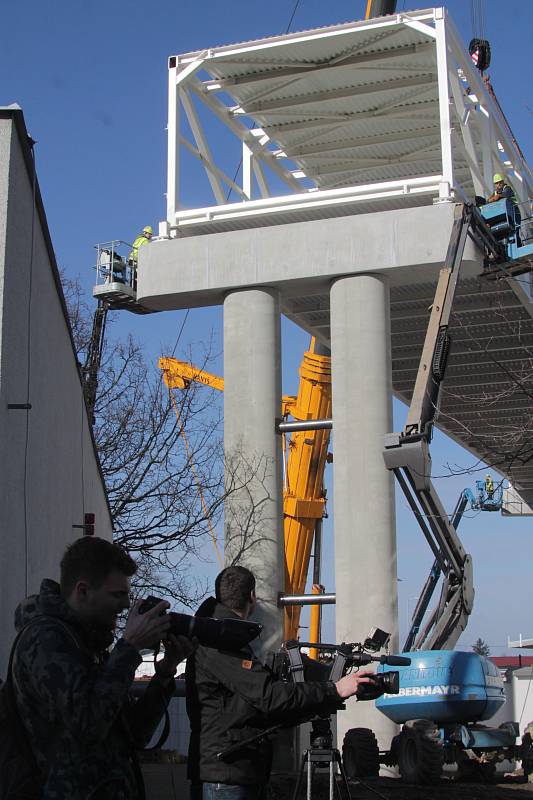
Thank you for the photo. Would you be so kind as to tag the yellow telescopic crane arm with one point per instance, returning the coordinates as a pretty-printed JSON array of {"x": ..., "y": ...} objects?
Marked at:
[
  {"x": 180, "y": 374},
  {"x": 303, "y": 495}
]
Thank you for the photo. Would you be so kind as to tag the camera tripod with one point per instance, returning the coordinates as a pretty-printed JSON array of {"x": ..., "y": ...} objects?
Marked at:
[{"x": 322, "y": 755}]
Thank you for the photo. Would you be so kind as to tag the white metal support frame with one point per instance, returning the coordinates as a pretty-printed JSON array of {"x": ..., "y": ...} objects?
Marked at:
[
  {"x": 173, "y": 149},
  {"x": 447, "y": 182},
  {"x": 379, "y": 113}
]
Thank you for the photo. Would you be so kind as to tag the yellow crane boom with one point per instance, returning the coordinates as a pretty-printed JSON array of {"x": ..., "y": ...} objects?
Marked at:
[
  {"x": 179, "y": 375},
  {"x": 303, "y": 496}
]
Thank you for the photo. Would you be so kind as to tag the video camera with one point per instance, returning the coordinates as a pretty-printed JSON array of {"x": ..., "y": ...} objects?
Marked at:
[
  {"x": 337, "y": 659},
  {"x": 223, "y": 634},
  {"x": 290, "y": 664}
]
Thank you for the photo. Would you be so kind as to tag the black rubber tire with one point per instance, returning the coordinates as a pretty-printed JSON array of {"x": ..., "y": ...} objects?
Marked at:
[
  {"x": 527, "y": 752},
  {"x": 420, "y": 752},
  {"x": 360, "y": 753}
]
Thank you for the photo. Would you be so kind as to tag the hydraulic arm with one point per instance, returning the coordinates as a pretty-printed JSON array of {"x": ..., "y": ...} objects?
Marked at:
[
  {"x": 407, "y": 455},
  {"x": 94, "y": 357}
]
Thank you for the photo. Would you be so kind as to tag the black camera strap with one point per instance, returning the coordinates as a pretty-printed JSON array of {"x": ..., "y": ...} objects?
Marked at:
[
  {"x": 164, "y": 733},
  {"x": 296, "y": 663}
]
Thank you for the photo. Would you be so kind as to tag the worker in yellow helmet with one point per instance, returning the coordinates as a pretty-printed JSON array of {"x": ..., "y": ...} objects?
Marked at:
[
  {"x": 143, "y": 238},
  {"x": 502, "y": 191},
  {"x": 489, "y": 486}
]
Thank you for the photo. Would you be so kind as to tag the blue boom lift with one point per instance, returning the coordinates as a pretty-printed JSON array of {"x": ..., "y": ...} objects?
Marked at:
[
  {"x": 487, "y": 498},
  {"x": 445, "y": 694}
]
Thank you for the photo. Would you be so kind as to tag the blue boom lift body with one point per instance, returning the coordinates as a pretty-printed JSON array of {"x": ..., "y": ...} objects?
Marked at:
[
  {"x": 452, "y": 692},
  {"x": 445, "y": 694},
  {"x": 501, "y": 219},
  {"x": 447, "y": 686}
]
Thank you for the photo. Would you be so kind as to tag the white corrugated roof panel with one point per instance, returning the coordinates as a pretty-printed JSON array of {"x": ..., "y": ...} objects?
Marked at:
[{"x": 335, "y": 85}]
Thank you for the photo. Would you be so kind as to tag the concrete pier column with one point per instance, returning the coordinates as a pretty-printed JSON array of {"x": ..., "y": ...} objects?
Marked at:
[
  {"x": 253, "y": 511},
  {"x": 364, "y": 517}
]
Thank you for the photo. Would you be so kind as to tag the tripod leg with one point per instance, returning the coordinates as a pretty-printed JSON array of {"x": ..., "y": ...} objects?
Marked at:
[
  {"x": 338, "y": 759},
  {"x": 359, "y": 781},
  {"x": 299, "y": 780}
]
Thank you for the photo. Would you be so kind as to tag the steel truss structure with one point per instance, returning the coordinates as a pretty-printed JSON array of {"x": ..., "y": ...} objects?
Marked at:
[{"x": 370, "y": 115}]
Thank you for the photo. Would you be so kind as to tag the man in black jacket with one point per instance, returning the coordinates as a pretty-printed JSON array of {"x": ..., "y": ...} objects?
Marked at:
[
  {"x": 72, "y": 693},
  {"x": 231, "y": 696}
]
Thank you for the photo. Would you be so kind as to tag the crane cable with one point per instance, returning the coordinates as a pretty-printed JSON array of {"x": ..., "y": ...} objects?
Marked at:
[
  {"x": 195, "y": 476},
  {"x": 477, "y": 18}
]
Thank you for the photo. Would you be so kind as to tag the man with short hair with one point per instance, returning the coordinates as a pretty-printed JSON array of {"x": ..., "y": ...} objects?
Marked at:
[
  {"x": 231, "y": 697},
  {"x": 72, "y": 694}
]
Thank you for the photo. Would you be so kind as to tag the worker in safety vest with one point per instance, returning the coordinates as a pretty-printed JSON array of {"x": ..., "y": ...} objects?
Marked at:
[
  {"x": 489, "y": 486},
  {"x": 143, "y": 238},
  {"x": 502, "y": 191}
]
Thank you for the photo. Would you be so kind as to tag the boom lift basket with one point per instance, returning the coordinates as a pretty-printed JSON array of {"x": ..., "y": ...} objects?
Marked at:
[{"x": 116, "y": 277}]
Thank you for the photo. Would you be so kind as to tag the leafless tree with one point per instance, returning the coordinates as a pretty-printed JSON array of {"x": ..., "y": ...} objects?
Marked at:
[{"x": 161, "y": 458}]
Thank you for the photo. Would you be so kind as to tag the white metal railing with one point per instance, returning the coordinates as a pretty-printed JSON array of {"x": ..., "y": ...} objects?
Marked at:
[
  {"x": 526, "y": 222},
  {"x": 114, "y": 264},
  {"x": 428, "y": 184},
  {"x": 527, "y": 643}
]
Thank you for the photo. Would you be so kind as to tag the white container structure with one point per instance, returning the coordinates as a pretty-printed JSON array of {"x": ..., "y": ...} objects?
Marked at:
[{"x": 370, "y": 115}]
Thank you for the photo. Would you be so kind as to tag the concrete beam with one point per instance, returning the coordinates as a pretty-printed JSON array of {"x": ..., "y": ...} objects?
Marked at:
[{"x": 300, "y": 258}]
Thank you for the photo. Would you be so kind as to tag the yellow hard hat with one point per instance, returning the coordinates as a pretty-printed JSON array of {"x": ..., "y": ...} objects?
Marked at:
[
  {"x": 147, "y": 229},
  {"x": 497, "y": 178}
]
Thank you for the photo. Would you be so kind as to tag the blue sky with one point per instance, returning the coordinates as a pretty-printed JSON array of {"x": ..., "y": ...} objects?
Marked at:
[{"x": 91, "y": 78}]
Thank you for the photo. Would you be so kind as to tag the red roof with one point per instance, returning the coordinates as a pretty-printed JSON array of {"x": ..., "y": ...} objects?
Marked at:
[{"x": 512, "y": 661}]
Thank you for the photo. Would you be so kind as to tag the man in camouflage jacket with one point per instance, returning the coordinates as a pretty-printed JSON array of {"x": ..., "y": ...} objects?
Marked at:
[{"x": 73, "y": 694}]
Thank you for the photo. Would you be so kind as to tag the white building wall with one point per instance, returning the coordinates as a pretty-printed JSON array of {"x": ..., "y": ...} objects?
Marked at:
[
  {"x": 49, "y": 475},
  {"x": 523, "y": 697},
  {"x": 518, "y": 707}
]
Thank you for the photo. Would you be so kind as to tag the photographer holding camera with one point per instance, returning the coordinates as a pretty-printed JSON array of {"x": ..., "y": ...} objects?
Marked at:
[
  {"x": 72, "y": 694},
  {"x": 231, "y": 696}
]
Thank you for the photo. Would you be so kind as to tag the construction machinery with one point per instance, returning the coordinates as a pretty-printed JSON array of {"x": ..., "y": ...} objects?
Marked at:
[
  {"x": 115, "y": 289},
  {"x": 116, "y": 277},
  {"x": 514, "y": 232},
  {"x": 445, "y": 694},
  {"x": 90, "y": 369},
  {"x": 305, "y": 457},
  {"x": 487, "y": 498}
]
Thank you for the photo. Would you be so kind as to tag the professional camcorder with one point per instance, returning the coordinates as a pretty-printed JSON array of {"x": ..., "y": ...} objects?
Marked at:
[
  {"x": 335, "y": 660},
  {"x": 223, "y": 634}
]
